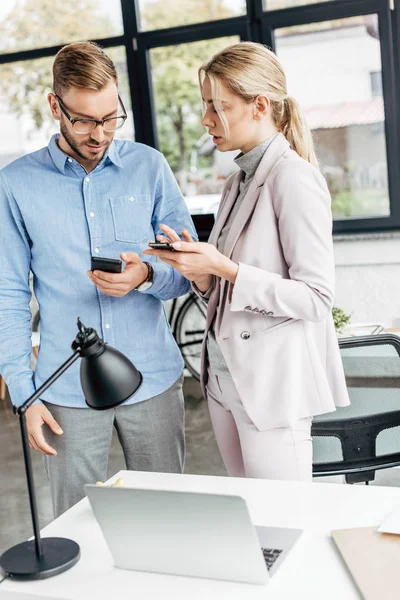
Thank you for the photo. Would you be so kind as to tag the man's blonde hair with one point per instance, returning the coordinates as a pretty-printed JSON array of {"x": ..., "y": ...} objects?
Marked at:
[
  {"x": 82, "y": 65},
  {"x": 248, "y": 70}
]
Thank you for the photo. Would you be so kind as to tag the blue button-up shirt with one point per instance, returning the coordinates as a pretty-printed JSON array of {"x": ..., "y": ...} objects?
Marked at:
[{"x": 53, "y": 217}]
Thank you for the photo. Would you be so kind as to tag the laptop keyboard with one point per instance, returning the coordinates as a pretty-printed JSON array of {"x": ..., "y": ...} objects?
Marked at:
[{"x": 270, "y": 556}]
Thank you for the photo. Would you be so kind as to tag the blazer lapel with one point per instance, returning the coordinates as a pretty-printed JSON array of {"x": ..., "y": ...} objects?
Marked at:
[
  {"x": 278, "y": 147},
  {"x": 227, "y": 203},
  {"x": 242, "y": 216}
]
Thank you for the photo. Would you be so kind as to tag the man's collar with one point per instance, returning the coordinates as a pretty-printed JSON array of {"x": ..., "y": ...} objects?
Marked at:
[
  {"x": 112, "y": 154},
  {"x": 59, "y": 157}
]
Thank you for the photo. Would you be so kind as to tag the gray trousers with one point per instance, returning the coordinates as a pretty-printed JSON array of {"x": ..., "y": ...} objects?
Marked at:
[{"x": 151, "y": 434}]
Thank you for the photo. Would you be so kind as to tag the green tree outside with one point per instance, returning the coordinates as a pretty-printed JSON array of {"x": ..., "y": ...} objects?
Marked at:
[
  {"x": 174, "y": 73},
  {"x": 36, "y": 23}
]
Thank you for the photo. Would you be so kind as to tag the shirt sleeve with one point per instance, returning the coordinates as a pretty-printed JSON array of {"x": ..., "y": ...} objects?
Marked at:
[
  {"x": 169, "y": 209},
  {"x": 15, "y": 296},
  {"x": 302, "y": 207}
]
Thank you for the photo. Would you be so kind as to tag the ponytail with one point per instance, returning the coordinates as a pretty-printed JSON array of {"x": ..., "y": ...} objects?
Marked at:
[{"x": 290, "y": 121}]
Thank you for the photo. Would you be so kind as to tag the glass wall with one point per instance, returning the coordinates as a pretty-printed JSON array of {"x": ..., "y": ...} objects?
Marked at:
[
  {"x": 159, "y": 14},
  {"x": 25, "y": 120},
  {"x": 334, "y": 68},
  {"x": 277, "y": 4},
  {"x": 118, "y": 56},
  {"x": 30, "y": 24},
  {"x": 199, "y": 168},
  {"x": 334, "y": 71}
]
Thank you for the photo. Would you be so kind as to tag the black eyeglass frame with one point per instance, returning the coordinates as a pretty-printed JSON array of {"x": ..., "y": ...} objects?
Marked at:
[{"x": 94, "y": 121}]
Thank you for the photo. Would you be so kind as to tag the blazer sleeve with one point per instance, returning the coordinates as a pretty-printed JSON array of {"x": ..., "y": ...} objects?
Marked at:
[{"x": 302, "y": 207}]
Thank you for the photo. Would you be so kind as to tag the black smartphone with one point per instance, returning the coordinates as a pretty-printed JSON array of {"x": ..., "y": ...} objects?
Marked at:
[
  {"x": 109, "y": 265},
  {"x": 161, "y": 246}
]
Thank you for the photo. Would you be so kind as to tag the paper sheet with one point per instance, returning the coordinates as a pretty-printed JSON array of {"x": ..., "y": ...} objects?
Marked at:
[{"x": 392, "y": 523}]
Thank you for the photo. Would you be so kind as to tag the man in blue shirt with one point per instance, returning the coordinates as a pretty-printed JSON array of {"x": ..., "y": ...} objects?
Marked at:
[{"x": 85, "y": 195}]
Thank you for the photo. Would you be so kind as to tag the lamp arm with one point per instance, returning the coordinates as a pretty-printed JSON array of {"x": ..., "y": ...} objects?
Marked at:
[{"x": 20, "y": 410}]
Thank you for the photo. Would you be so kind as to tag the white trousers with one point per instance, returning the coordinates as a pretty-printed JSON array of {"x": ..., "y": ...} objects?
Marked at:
[{"x": 280, "y": 453}]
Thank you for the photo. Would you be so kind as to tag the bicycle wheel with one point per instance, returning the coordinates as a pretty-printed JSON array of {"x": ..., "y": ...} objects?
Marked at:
[
  {"x": 189, "y": 331},
  {"x": 36, "y": 321}
]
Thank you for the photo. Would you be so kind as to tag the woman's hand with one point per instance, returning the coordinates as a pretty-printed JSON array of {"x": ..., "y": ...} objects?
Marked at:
[{"x": 197, "y": 261}]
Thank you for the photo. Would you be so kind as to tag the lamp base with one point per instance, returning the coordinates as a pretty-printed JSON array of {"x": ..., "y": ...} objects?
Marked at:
[{"x": 21, "y": 562}]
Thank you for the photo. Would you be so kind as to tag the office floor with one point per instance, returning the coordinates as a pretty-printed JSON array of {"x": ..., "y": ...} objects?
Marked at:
[{"x": 202, "y": 457}]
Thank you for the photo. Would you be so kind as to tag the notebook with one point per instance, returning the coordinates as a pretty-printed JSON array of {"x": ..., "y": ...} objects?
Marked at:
[{"x": 373, "y": 560}]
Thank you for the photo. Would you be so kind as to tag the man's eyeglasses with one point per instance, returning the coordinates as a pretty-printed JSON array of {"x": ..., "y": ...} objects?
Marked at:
[{"x": 87, "y": 125}]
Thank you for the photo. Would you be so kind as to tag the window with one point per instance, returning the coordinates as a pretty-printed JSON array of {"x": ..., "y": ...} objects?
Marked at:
[
  {"x": 332, "y": 84},
  {"x": 118, "y": 56},
  {"x": 159, "y": 14},
  {"x": 199, "y": 168},
  {"x": 342, "y": 70},
  {"x": 25, "y": 120},
  {"x": 278, "y": 4},
  {"x": 29, "y": 24},
  {"x": 376, "y": 83}
]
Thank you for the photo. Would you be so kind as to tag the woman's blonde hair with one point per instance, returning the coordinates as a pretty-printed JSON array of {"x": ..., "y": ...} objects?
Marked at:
[{"x": 248, "y": 70}]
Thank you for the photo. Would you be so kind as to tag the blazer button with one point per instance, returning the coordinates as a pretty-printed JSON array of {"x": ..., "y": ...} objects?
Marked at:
[
  {"x": 247, "y": 308},
  {"x": 245, "y": 335},
  {"x": 263, "y": 312},
  {"x": 270, "y": 313}
]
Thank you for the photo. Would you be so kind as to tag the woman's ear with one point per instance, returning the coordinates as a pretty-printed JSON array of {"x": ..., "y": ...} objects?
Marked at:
[{"x": 261, "y": 107}]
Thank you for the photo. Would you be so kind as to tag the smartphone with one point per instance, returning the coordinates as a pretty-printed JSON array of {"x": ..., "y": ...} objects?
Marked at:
[
  {"x": 109, "y": 265},
  {"x": 161, "y": 246}
]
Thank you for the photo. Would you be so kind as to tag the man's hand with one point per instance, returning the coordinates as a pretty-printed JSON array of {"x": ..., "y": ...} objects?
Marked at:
[
  {"x": 36, "y": 416},
  {"x": 120, "y": 284}
]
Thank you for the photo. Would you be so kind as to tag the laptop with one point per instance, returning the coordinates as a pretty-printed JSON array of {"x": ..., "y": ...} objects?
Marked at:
[{"x": 188, "y": 533}]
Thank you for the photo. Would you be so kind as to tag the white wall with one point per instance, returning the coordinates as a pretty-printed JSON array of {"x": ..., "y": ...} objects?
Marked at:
[
  {"x": 368, "y": 277},
  {"x": 330, "y": 66}
]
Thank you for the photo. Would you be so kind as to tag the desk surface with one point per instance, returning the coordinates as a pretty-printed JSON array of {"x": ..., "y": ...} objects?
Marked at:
[{"x": 312, "y": 570}]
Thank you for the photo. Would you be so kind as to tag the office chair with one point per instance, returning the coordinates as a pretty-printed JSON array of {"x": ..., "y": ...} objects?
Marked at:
[{"x": 359, "y": 439}]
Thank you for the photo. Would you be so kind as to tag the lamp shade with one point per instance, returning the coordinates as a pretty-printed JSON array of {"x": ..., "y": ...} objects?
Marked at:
[{"x": 108, "y": 379}]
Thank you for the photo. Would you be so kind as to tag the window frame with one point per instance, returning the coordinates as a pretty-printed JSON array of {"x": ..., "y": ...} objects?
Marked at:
[{"x": 259, "y": 24}]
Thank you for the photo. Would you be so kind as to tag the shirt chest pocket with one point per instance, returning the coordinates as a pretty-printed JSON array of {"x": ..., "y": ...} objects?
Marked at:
[{"x": 132, "y": 217}]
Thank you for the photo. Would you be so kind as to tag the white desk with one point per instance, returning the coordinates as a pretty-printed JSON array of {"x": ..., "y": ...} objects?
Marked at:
[{"x": 313, "y": 569}]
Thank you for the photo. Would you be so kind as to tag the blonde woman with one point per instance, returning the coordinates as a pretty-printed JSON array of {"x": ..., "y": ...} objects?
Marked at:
[{"x": 270, "y": 355}]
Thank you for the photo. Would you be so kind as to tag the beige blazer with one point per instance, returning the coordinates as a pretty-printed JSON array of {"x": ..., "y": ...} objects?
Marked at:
[{"x": 274, "y": 325}]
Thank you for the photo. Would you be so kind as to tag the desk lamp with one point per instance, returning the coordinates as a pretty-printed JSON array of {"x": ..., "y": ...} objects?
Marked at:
[{"x": 108, "y": 379}]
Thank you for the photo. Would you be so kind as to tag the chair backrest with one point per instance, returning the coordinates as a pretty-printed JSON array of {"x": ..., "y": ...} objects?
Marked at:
[{"x": 365, "y": 436}]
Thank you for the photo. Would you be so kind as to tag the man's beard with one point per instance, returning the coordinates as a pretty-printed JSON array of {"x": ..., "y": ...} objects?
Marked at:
[{"x": 73, "y": 145}]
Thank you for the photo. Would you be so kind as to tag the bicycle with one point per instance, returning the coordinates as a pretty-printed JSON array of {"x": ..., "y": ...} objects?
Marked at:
[{"x": 188, "y": 327}]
